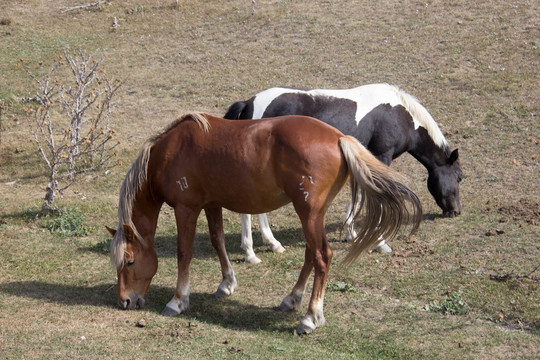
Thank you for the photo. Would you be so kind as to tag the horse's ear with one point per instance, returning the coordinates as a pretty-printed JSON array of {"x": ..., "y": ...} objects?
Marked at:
[
  {"x": 129, "y": 233},
  {"x": 453, "y": 157},
  {"x": 112, "y": 231}
]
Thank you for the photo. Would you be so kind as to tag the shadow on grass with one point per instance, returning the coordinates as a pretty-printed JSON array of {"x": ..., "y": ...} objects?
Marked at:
[
  {"x": 165, "y": 246},
  {"x": 100, "y": 295},
  {"x": 226, "y": 312}
]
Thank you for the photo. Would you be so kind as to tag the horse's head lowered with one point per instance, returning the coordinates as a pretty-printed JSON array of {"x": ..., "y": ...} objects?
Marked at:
[
  {"x": 135, "y": 270},
  {"x": 443, "y": 184}
]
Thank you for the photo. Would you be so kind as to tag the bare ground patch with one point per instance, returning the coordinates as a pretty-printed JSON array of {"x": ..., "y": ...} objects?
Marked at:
[{"x": 523, "y": 210}]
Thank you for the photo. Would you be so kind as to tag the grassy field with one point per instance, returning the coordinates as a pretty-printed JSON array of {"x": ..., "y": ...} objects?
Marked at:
[{"x": 461, "y": 288}]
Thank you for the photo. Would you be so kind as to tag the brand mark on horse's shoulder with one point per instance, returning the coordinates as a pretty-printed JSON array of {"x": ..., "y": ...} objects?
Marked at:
[{"x": 182, "y": 183}]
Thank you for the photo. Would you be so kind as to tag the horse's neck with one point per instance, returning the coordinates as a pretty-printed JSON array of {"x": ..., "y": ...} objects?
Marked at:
[
  {"x": 145, "y": 215},
  {"x": 426, "y": 151}
]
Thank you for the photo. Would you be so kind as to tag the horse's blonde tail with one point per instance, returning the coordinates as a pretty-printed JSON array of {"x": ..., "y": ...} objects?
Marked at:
[{"x": 379, "y": 190}]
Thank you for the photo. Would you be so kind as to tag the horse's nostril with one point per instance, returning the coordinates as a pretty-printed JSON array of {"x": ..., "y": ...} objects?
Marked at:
[
  {"x": 124, "y": 304},
  {"x": 449, "y": 213}
]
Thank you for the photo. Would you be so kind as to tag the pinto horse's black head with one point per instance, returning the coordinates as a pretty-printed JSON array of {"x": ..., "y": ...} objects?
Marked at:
[{"x": 443, "y": 184}]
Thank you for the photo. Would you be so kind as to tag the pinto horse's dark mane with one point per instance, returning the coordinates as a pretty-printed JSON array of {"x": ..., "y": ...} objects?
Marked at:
[{"x": 134, "y": 180}]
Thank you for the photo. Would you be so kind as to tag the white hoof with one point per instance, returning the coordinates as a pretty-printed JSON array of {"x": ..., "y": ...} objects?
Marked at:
[
  {"x": 175, "y": 307},
  {"x": 290, "y": 303},
  {"x": 226, "y": 288},
  {"x": 278, "y": 249},
  {"x": 383, "y": 248},
  {"x": 307, "y": 325},
  {"x": 253, "y": 260}
]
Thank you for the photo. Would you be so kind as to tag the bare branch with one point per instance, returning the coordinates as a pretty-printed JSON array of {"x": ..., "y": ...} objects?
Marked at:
[
  {"x": 85, "y": 145},
  {"x": 84, "y": 6}
]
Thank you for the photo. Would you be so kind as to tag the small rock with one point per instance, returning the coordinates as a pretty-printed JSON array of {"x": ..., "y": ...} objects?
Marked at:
[{"x": 141, "y": 323}]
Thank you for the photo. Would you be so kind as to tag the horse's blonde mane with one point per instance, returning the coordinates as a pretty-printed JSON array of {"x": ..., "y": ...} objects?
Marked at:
[
  {"x": 420, "y": 114},
  {"x": 134, "y": 180}
]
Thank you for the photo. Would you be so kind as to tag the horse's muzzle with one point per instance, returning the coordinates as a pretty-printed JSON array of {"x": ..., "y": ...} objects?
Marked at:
[
  {"x": 452, "y": 213},
  {"x": 131, "y": 303}
]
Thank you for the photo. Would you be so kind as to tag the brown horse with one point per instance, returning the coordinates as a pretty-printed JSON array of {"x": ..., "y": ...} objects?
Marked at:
[{"x": 254, "y": 166}]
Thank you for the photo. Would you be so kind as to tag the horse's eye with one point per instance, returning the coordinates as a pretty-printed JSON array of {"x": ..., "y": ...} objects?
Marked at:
[{"x": 130, "y": 262}]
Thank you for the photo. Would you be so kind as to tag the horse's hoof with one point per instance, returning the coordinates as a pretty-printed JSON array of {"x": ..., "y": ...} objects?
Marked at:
[
  {"x": 169, "y": 312},
  {"x": 305, "y": 327},
  {"x": 383, "y": 248},
  {"x": 278, "y": 249},
  {"x": 253, "y": 260},
  {"x": 220, "y": 292},
  {"x": 289, "y": 304}
]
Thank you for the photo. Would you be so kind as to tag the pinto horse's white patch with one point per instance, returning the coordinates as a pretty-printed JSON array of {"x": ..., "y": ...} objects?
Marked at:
[{"x": 366, "y": 97}]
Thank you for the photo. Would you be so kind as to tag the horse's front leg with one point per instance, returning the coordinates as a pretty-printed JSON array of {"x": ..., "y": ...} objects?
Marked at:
[
  {"x": 186, "y": 222},
  {"x": 217, "y": 236}
]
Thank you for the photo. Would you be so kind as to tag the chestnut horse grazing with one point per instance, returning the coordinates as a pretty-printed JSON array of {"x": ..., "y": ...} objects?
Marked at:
[{"x": 201, "y": 162}]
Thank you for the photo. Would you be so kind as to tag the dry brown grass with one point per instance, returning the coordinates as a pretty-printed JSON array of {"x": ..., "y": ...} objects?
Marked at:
[{"x": 474, "y": 65}]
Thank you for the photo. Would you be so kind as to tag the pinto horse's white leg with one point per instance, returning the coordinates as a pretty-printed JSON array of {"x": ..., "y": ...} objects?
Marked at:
[
  {"x": 267, "y": 235},
  {"x": 217, "y": 237},
  {"x": 350, "y": 233},
  {"x": 380, "y": 246},
  {"x": 247, "y": 240}
]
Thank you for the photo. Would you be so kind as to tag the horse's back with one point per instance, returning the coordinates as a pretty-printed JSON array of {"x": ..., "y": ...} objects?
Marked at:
[{"x": 250, "y": 166}]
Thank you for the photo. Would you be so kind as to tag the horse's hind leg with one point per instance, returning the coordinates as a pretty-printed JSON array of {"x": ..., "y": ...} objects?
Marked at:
[
  {"x": 380, "y": 246},
  {"x": 217, "y": 236},
  {"x": 318, "y": 256},
  {"x": 267, "y": 235},
  {"x": 247, "y": 240}
]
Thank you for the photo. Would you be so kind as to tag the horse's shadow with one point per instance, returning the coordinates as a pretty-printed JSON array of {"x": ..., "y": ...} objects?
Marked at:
[
  {"x": 165, "y": 245},
  {"x": 226, "y": 312}
]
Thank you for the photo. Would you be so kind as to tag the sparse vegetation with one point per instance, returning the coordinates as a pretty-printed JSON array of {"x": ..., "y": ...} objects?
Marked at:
[
  {"x": 453, "y": 304},
  {"x": 474, "y": 65},
  {"x": 85, "y": 142},
  {"x": 70, "y": 222}
]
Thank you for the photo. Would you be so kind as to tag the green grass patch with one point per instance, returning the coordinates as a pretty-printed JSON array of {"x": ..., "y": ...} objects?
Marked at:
[{"x": 70, "y": 222}]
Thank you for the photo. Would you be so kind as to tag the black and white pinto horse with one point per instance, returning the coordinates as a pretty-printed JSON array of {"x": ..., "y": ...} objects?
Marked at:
[{"x": 385, "y": 119}]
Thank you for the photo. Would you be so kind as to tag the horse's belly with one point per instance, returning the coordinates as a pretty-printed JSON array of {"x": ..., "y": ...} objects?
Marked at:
[{"x": 253, "y": 202}]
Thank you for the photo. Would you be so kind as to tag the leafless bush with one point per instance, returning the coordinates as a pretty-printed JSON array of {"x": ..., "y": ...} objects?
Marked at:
[
  {"x": 1, "y": 128},
  {"x": 70, "y": 120}
]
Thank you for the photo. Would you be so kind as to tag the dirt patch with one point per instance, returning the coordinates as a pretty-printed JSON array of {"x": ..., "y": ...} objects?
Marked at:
[
  {"x": 413, "y": 249},
  {"x": 523, "y": 210}
]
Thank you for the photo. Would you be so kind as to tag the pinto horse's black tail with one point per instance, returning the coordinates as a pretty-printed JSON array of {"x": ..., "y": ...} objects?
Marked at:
[{"x": 235, "y": 110}]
